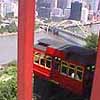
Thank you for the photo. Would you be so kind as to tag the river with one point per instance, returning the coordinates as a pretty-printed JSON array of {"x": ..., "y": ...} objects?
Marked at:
[
  {"x": 8, "y": 49},
  {"x": 8, "y": 45}
]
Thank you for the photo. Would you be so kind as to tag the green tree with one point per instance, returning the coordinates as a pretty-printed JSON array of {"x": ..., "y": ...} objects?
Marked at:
[
  {"x": 8, "y": 87},
  {"x": 12, "y": 27},
  {"x": 92, "y": 41},
  {"x": 2, "y": 29}
]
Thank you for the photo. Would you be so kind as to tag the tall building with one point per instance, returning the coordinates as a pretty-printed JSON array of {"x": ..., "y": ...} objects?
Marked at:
[
  {"x": 1, "y": 9},
  {"x": 54, "y": 3},
  {"x": 67, "y": 13},
  {"x": 44, "y": 8},
  {"x": 93, "y": 4},
  {"x": 57, "y": 14},
  {"x": 43, "y": 3},
  {"x": 9, "y": 9},
  {"x": 84, "y": 15},
  {"x": 69, "y": 3},
  {"x": 44, "y": 12},
  {"x": 62, "y": 4},
  {"x": 99, "y": 5},
  {"x": 76, "y": 8}
]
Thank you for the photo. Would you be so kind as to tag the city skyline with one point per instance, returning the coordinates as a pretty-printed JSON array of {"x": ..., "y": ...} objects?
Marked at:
[
  {"x": 94, "y": 4},
  {"x": 68, "y": 9}
]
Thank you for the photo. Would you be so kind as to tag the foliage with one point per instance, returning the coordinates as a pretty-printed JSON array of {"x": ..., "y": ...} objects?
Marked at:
[
  {"x": 92, "y": 41},
  {"x": 9, "y": 28},
  {"x": 37, "y": 25},
  {"x": 8, "y": 86},
  {"x": 2, "y": 29},
  {"x": 9, "y": 15},
  {"x": 12, "y": 27}
]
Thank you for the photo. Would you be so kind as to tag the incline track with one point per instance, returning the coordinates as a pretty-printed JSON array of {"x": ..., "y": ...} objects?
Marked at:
[{"x": 44, "y": 90}]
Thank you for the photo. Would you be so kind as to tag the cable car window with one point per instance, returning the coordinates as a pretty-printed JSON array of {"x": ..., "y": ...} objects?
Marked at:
[
  {"x": 57, "y": 63},
  {"x": 72, "y": 71},
  {"x": 36, "y": 57},
  {"x": 91, "y": 68},
  {"x": 48, "y": 61},
  {"x": 79, "y": 68},
  {"x": 88, "y": 68},
  {"x": 42, "y": 59},
  {"x": 64, "y": 68},
  {"x": 79, "y": 75}
]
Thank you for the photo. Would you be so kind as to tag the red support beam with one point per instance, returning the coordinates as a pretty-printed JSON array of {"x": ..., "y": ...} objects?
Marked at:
[
  {"x": 95, "y": 95},
  {"x": 25, "y": 48}
]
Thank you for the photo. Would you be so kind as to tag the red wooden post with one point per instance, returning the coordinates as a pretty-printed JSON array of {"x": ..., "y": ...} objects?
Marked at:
[
  {"x": 25, "y": 48},
  {"x": 96, "y": 83}
]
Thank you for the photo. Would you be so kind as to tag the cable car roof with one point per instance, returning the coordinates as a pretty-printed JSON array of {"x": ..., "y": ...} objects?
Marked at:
[
  {"x": 79, "y": 50},
  {"x": 57, "y": 44},
  {"x": 74, "y": 53}
]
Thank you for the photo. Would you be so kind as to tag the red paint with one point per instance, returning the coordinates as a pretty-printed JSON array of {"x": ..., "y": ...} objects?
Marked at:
[
  {"x": 64, "y": 81},
  {"x": 96, "y": 84},
  {"x": 25, "y": 48}
]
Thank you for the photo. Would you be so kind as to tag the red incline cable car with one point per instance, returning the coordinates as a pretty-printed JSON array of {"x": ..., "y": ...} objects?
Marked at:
[{"x": 71, "y": 67}]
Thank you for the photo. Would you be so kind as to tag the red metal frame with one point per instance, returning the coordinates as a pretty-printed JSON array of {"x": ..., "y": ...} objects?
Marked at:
[
  {"x": 25, "y": 48},
  {"x": 95, "y": 95}
]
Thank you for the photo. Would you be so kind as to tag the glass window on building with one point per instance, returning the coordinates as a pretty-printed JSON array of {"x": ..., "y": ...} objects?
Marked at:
[
  {"x": 48, "y": 61},
  {"x": 57, "y": 63},
  {"x": 64, "y": 68},
  {"x": 36, "y": 57},
  {"x": 42, "y": 59}
]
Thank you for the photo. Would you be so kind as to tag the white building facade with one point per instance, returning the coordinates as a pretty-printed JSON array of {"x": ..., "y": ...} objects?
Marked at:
[
  {"x": 8, "y": 7},
  {"x": 93, "y": 4},
  {"x": 84, "y": 15}
]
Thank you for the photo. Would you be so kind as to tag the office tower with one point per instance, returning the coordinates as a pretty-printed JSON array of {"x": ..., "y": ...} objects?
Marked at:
[
  {"x": 54, "y": 4},
  {"x": 67, "y": 13},
  {"x": 99, "y": 5},
  {"x": 93, "y": 4},
  {"x": 44, "y": 12},
  {"x": 57, "y": 14},
  {"x": 43, "y": 3},
  {"x": 69, "y": 3},
  {"x": 76, "y": 8},
  {"x": 62, "y": 4},
  {"x": 44, "y": 8},
  {"x": 84, "y": 15}
]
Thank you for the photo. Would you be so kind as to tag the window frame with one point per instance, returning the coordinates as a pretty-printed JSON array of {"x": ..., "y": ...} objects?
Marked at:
[
  {"x": 82, "y": 71},
  {"x": 64, "y": 66},
  {"x": 72, "y": 69},
  {"x": 40, "y": 61},
  {"x": 48, "y": 60},
  {"x": 57, "y": 62},
  {"x": 37, "y": 57}
]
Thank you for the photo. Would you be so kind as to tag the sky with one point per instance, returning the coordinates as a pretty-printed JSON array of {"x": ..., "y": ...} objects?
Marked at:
[{"x": 8, "y": 0}]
